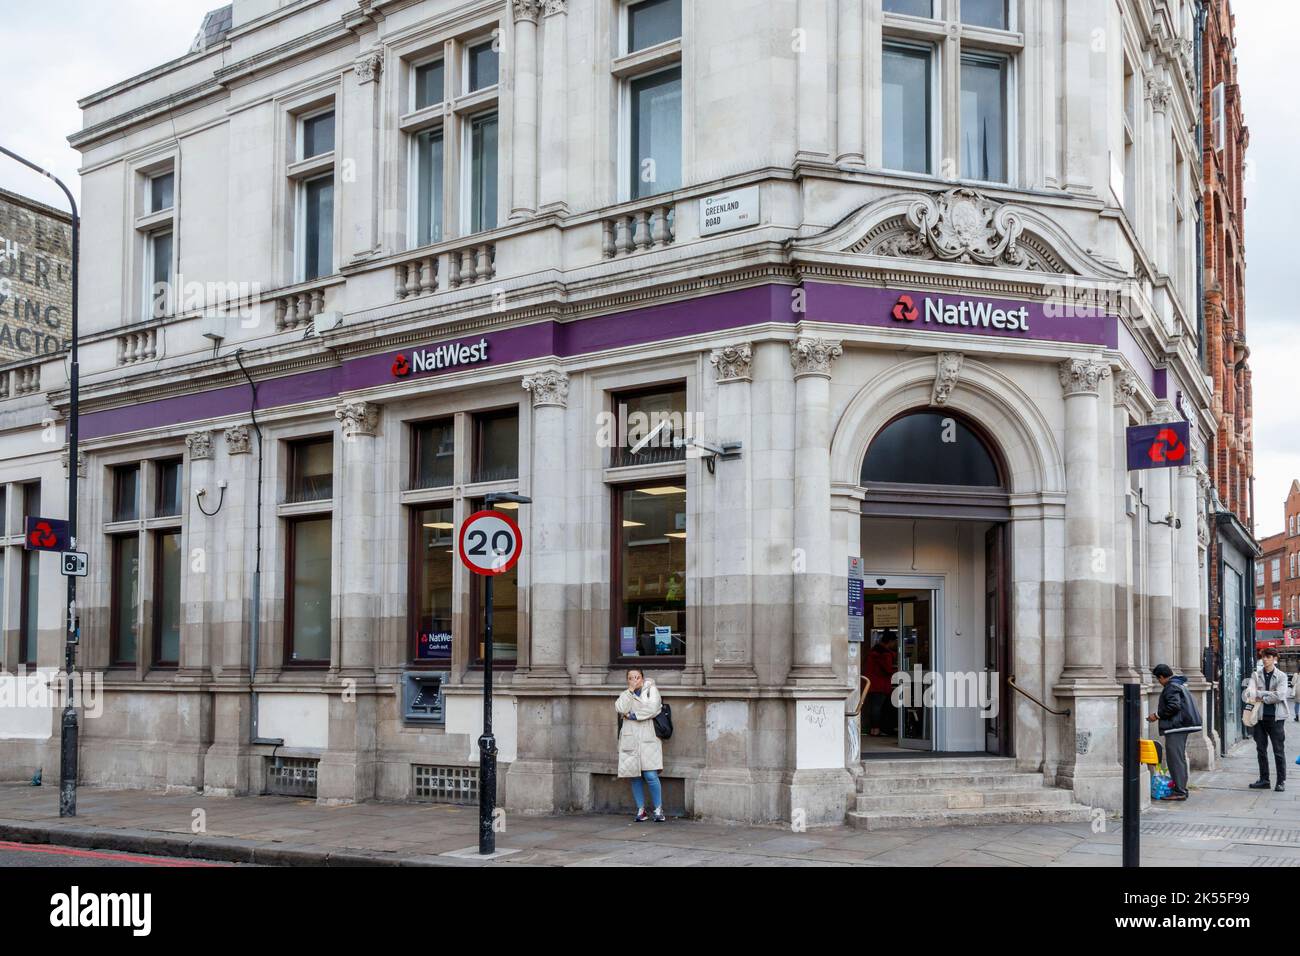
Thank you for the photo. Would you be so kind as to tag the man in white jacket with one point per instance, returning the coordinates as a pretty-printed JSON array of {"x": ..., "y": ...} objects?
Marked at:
[{"x": 1267, "y": 689}]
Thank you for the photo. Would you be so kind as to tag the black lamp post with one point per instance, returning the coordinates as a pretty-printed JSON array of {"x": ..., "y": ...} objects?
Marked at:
[
  {"x": 487, "y": 744},
  {"x": 68, "y": 736}
]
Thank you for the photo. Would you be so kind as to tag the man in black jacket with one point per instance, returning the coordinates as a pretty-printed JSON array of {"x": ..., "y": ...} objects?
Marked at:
[{"x": 1178, "y": 717}]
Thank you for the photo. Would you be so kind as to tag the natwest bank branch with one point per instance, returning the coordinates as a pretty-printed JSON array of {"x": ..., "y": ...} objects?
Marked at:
[{"x": 946, "y": 438}]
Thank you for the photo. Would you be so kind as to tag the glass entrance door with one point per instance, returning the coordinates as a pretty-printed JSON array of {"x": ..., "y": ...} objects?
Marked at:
[{"x": 915, "y": 660}]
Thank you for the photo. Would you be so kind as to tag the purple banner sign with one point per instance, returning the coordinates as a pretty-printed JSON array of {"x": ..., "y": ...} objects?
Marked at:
[{"x": 1164, "y": 445}]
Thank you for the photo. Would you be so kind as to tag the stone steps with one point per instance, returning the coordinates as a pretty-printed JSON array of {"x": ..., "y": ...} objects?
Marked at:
[
  {"x": 887, "y": 784},
  {"x": 978, "y": 816},
  {"x": 957, "y": 791}
]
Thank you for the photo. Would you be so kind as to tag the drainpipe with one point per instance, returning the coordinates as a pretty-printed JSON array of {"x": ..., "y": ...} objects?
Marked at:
[{"x": 255, "y": 625}]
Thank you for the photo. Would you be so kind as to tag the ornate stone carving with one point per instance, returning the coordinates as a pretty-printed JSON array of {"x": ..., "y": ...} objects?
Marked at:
[
  {"x": 556, "y": 6},
  {"x": 1163, "y": 411},
  {"x": 945, "y": 380},
  {"x": 368, "y": 66},
  {"x": 732, "y": 363},
  {"x": 81, "y": 462},
  {"x": 960, "y": 225},
  {"x": 1159, "y": 93},
  {"x": 199, "y": 444},
  {"x": 527, "y": 10},
  {"x": 237, "y": 440},
  {"x": 813, "y": 356},
  {"x": 1126, "y": 387},
  {"x": 550, "y": 387},
  {"x": 358, "y": 418},
  {"x": 1082, "y": 376}
]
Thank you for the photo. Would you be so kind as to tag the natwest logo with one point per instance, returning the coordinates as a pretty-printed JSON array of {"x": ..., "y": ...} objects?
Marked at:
[
  {"x": 905, "y": 309},
  {"x": 940, "y": 311},
  {"x": 441, "y": 357}
]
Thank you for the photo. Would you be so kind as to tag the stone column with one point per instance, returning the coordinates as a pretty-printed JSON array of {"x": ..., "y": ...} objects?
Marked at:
[
  {"x": 1200, "y": 752},
  {"x": 523, "y": 144},
  {"x": 812, "y": 64},
  {"x": 196, "y": 556},
  {"x": 812, "y": 359},
  {"x": 554, "y": 108},
  {"x": 227, "y": 765},
  {"x": 548, "y": 527},
  {"x": 540, "y": 779},
  {"x": 1092, "y": 770},
  {"x": 346, "y": 772},
  {"x": 358, "y": 191},
  {"x": 851, "y": 84},
  {"x": 732, "y": 655},
  {"x": 358, "y": 526},
  {"x": 1159, "y": 91},
  {"x": 1080, "y": 139}
]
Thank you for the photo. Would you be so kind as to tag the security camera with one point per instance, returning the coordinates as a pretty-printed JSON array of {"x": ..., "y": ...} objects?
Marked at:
[{"x": 880, "y": 582}]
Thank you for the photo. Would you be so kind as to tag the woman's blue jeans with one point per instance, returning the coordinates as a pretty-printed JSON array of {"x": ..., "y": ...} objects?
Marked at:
[{"x": 656, "y": 789}]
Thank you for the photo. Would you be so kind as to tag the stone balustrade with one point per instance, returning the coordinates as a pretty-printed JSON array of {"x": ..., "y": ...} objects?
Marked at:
[
  {"x": 27, "y": 380},
  {"x": 422, "y": 274},
  {"x": 295, "y": 309},
  {"x": 638, "y": 231},
  {"x": 142, "y": 345}
]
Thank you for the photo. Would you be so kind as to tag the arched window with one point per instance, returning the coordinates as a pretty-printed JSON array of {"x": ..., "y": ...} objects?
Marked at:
[{"x": 930, "y": 448}]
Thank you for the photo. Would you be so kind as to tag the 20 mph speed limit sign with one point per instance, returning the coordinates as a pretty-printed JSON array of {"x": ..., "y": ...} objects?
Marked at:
[{"x": 490, "y": 543}]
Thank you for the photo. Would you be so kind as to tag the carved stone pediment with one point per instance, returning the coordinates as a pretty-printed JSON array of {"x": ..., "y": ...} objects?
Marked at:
[{"x": 961, "y": 225}]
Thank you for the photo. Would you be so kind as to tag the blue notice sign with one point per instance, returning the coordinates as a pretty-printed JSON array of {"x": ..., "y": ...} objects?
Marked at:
[{"x": 857, "y": 603}]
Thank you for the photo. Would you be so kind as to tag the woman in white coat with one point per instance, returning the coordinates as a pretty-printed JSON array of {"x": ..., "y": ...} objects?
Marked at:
[{"x": 640, "y": 754}]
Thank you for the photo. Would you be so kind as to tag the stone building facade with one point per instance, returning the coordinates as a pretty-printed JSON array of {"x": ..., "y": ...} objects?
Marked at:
[{"x": 779, "y": 365}]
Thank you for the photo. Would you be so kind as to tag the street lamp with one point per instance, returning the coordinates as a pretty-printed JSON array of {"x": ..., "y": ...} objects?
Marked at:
[
  {"x": 487, "y": 744},
  {"x": 68, "y": 735}
]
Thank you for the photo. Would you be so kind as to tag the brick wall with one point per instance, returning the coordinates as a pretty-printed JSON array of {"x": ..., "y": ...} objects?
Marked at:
[{"x": 35, "y": 279}]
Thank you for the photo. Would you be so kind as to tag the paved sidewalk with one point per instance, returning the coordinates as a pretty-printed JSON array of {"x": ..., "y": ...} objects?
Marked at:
[{"x": 1223, "y": 824}]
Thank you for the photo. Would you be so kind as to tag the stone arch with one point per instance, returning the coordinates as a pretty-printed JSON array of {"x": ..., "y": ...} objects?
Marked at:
[{"x": 1013, "y": 422}]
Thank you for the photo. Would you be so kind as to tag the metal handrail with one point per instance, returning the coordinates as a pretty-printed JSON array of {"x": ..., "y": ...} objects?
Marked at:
[
  {"x": 1011, "y": 681},
  {"x": 866, "y": 688}
]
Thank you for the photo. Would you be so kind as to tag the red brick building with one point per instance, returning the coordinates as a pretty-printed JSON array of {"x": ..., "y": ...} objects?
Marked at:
[
  {"x": 1281, "y": 564},
  {"x": 1233, "y": 569},
  {"x": 1226, "y": 353}
]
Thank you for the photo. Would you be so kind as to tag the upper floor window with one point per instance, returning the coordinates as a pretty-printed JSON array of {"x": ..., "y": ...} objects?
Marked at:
[
  {"x": 434, "y": 454},
  {"x": 161, "y": 189},
  {"x": 126, "y": 493},
  {"x": 452, "y": 100},
  {"x": 317, "y": 135},
  {"x": 311, "y": 470},
  {"x": 312, "y": 182},
  {"x": 919, "y": 88},
  {"x": 649, "y": 71},
  {"x": 155, "y": 228},
  {"x": 496, "y": 445},
  {"x": 168, "y": 495},
  {"x": 651, "y": 423}
]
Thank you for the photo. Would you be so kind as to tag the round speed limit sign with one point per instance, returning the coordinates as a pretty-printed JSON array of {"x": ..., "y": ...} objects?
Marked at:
[{"x": 490, "y": 543}]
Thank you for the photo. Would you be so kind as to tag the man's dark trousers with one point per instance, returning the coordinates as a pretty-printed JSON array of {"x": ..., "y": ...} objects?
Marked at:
[
  {"x": 1176, "y": 758},
  {"x": 1271, "y": 729}
]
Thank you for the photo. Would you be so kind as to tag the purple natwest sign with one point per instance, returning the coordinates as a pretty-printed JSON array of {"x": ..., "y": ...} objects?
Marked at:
[
  {"x": 901, "y": 309},
  {"x": 946, "y": 312}
]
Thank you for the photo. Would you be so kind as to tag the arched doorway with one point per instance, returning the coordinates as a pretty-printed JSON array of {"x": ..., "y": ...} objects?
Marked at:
[{"x": 935, "y": 508}]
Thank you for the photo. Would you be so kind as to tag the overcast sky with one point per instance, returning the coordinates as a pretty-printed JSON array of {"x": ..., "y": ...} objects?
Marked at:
[{"x": 57, "y": 51}]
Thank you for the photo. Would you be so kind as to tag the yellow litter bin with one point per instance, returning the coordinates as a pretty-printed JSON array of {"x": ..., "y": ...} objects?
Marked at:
[{"x": 1147, "y": 752}]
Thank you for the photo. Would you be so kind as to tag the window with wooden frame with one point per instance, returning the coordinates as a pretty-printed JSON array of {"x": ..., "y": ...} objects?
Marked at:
[
  {"x": 307, "y": 602},
  {"x": 432, "y": 597},
  {"x": 311, "y": 176},
  {"x": 433, "y": 453},
  {"x": 505, "y": 607},
  {"x": 311, "y": 470},
  {"x": 949, "y": 115},
  {"x": 452, "y": 98},
  {"x": 648, "y": 71},
  {"x": 648, "y": 572},
  {"x": 30, "y": 585},
  {"x": 651, "y": 426},
  {"x": 124, "y": 610},
  {"x": 496, "y": 445},
  {"x": 155, "y": 227}
]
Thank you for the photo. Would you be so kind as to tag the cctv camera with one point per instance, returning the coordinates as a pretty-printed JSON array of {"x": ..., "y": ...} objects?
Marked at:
[{"x": 880, "y": 582}]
